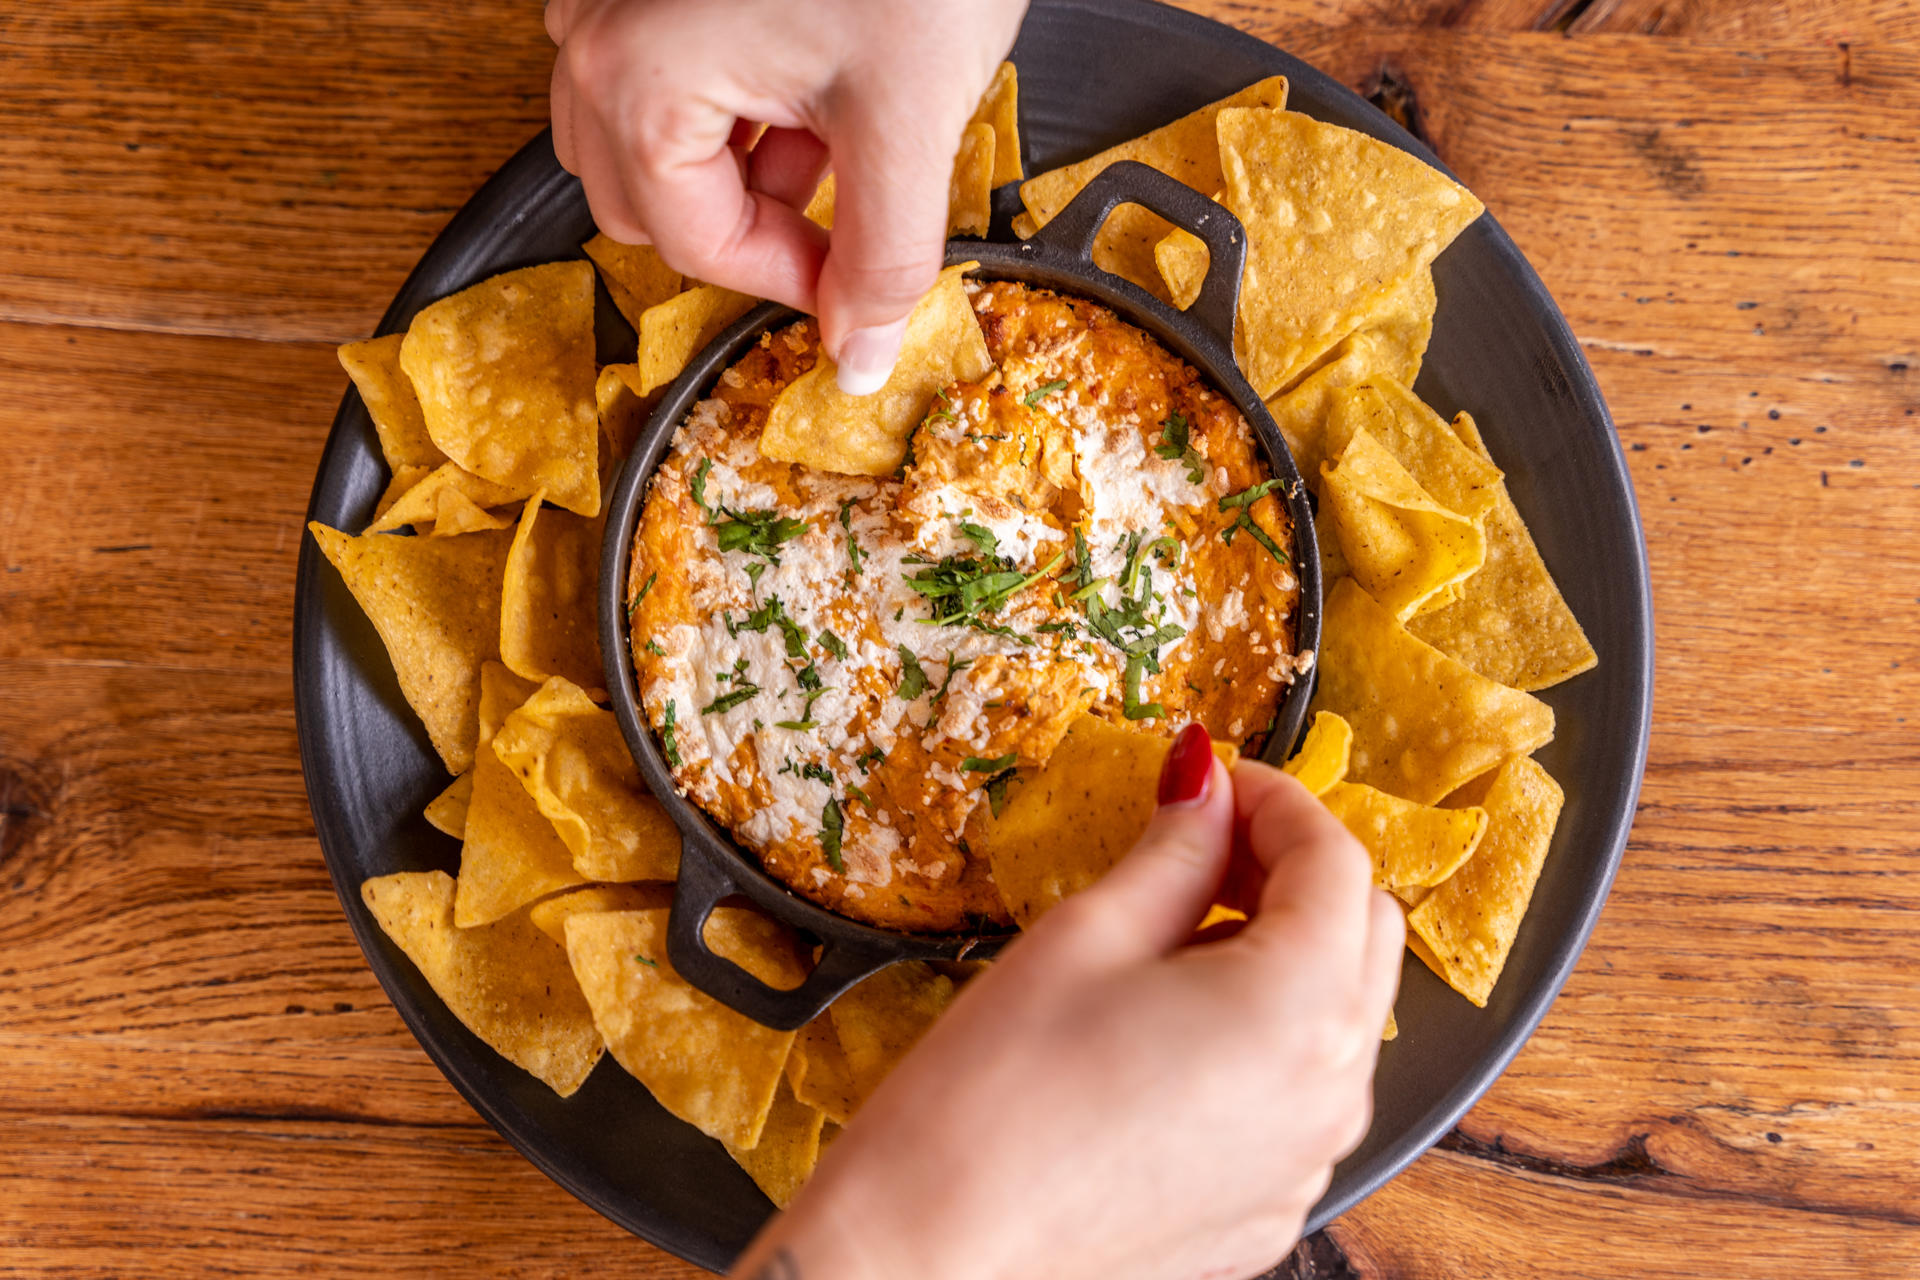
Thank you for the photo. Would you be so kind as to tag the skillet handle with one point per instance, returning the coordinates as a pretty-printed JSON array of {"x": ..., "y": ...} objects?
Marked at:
[
  {"x": 1073, "y": 229},
  {"x": 701, "y": 888}
]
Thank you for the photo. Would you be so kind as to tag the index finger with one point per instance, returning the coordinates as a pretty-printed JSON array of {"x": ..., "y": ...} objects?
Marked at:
[{"x": 1318, "y": 877}]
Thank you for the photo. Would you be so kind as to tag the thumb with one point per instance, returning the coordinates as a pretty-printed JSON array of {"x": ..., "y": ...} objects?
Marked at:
[
  {"x": 1160, "y": 891},
  {"x": 892, "y": 166}
]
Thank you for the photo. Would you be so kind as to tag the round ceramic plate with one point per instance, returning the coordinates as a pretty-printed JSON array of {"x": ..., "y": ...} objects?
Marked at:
[{"x": 1092, "y": 72}]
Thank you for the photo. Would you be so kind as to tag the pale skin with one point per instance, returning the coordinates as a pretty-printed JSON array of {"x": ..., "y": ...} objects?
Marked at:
[{"x": 1111, "y": 1099}]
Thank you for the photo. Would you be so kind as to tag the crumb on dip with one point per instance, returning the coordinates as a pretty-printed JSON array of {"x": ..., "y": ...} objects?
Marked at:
[{"x": 847, "y": 672}]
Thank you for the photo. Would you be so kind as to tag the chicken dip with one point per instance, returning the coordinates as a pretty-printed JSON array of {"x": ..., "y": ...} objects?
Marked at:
[{"x": 849, "y": 672}]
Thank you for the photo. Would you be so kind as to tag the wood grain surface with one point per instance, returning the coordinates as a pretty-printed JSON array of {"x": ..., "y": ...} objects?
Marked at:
[{"x": 198, "y": 1075}]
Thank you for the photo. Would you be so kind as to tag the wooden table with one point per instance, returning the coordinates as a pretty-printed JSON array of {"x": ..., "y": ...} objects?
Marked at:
[{"x": 199, "y": 198}]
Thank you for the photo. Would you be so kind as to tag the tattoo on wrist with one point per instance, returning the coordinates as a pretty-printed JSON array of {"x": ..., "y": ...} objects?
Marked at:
[{"x": 780, "y": 1266}]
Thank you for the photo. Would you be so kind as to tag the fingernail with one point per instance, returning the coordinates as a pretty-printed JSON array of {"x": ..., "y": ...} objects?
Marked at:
[
  {"x": 866, "y": 357},
  {"x": 1189, "y": 767}
]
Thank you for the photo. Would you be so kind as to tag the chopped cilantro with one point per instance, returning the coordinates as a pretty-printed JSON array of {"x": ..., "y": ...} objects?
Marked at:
[
  {"x": 832, "y": 825},
  {"x": 870, "y": 757},
  {"x": 953, "y": 668},
  {"x": 860, "y": 795},
  {"x": 1082, "y": 560},
  {"x": 960, "y": 588},
  {"x": 757, "y": 533},
  {"x": 1130, "y": 701},
  {"x": 997, "y": 790},
  {"x": 699, "y": 489},
  {"x": 913, "y": 677},
  {"x": 975, "y": 764},
  {"x": 1245, "y": 500},
  {"x": 796, "y": 724},
  {"x": 641, "y": 594},
  {"x": 1247, "y": 497},
  {"x": 818, "y": 772},
  {"x": 774, "y": 614},
  {"x": 731, "y": 699},
  {"x": 1177, "y": 444},
  {"x": 651, "y": 964},
  {"x": 980, "y": 536},
  {"x": 754, "y": 569},
  {"x": 1041, "y": 392},
  {"x": 854, "y": 554},
  {"x": 667, "y": 742},
  {"x": 653, "y": 647},
  {"x": 834, "y": 645}
]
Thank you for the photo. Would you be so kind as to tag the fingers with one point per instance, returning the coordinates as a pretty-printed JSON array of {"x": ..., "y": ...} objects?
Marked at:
[
  {"x": 787, "y": 165},
  {"x": 893, "y": 162},
  {"x": 1386, "y": 946},
  {"x": 1318, "y": 878},
  {"x": 583, "y": 151}
]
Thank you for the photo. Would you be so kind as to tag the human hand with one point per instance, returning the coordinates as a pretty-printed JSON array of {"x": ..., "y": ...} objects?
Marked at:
[
  {"x": 651, "y": 101},
  {"x": 1108, "y": 1102}
]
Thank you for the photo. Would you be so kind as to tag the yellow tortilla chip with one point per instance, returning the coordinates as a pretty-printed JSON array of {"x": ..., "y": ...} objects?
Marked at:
[
  {"x": 1000, "y": 109},
  {"x": 1182, "y": 260},
  {"x": 1422, "y": 723},
  {"x": 436, "y": 604},
  {"x": 1186, "y": 149},
  {"x": 508, "y": 983},
  {"x": 716, "y": 1069},
  {"x": 548, "y": 624},
  {"x": 550, "y": 915},
  {"x": 674, "y": 331},
  {"x": 456, "y": 513},
  {"x": 509, "y": 853},
  {"x": 448, "y": 811},
  {"x": 1468, "y": 924},
  {"x": 421, "y": 504},
  {"x": 1393, "y": 1027},
  {"x": 623, "y": 411},
  {"x": 818, "y": 1070},
  {"x": 1396, "y": 540},
  {"x": 1511, "y": 623},
  {"x": 1412, "y": 845},
  {"x": 1322, "y": 758},
  {"x": 570, "y": 757},
  {"x": 404, "y": 478},
  {"x": 816, "y": 424},
  {"x": 1419, "y": 439},
  {"x": 819, "y": 209},
  {"x": 1024, "y": 226},
  {"x": 1333, "y": 565},
  {"x": 782, "y": 1161},
  {"x": 374, "y": 366},
  {"x": 1336, "y": 221},
  {"x": 634, "y": 274},
  {"x": 1402, "y": 328},
  {"x": 1099, "y": 784},
  {"x": 970, "y": 189},
  {"x": 883, "y": 1017},
  {"x": 504, "y": 371}
]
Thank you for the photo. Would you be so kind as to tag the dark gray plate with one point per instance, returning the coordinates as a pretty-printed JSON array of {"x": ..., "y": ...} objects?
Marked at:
[{"x": 1092, "y": 72}]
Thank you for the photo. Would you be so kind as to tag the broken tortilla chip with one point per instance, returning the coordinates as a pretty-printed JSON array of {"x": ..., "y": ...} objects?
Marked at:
[
  {"x": 548, "y": 623},
  {"x": 374, "y": 366},
  {"x": 634, "y": 274},
  {"x": 970, "y": 189},
  {"x": 674, "y": 331},
  {"x": 1468, "y": 923},
  {"x": 716, "y": 1069},
  {"x": 1337, "y": 222},
  {"x": 1399, "y": 543},
  {"x": 1000, "y": 109},
  {"x": 504, "y": 371},
  {"x": 1412, "y": 845},
  {"x": 1511, "y": 624},
  {"x": 1419, "y": 439},
  {"x": 569, "y": 755},
  {"x": 507, "y": 982},
  {"x": 1422, "y": 722},
  {"x": 815, "y": 423},
  {"x": 436, "y": 604},
  {"x": 1321, "y": 760},
  {"x": 421, "y": 505},
  {"x": 782, "y": 1161},
  {"x": 404, "y": 478}
]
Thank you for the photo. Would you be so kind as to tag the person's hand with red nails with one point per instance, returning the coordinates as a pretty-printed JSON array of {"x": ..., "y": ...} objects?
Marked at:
[
  {"x": 1111, "y": 1100},
  {"x": 653, "y": 100}
]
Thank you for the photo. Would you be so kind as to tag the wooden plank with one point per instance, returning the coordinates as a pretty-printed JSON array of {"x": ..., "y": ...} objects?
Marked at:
[{"x": 268, "y": 169}]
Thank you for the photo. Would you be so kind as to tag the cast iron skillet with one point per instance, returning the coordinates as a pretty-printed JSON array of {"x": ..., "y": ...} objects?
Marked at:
[{"x": 712, "y": 866}]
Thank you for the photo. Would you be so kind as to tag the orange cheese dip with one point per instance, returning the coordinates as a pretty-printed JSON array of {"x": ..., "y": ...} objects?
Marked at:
[{"x": 848, "y": 672}]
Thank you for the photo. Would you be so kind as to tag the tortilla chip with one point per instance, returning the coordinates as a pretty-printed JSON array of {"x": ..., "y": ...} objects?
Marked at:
[
  {"x": 816, "y": 424},
  {"x": 635, "y": 276},
  {"x": 1000, "y": 109},
  {"x": 1099, "y": 784},
  {"x": 673, "y": 332},
  {"x": 1468, "y": 924},
  {"x": 436, "y": 604},
  {"x": 818, "y": 1070},
  {"x": 1396, "y": 540},
  {"x": 1024, "y": 226},
  {"x": 420, "y": 505},
  {"x": 548, "y": 623},
  {"x": 1419, "y": 439},
  {"x": 1321, "y": 760},
  {"x": 504, "y": 371},
  {"x": 1393, "y": 1027},
  {"x": 507, "y": 982},
  {"x": 1412, "y": 845},
  {"x": 970, "y": 189},
  {"x": 404, "y": 478},
  {"x": 1337, "y": 222},
  {"x": 1422, "y": 723},
  {"x": 623, "y": 411},
  {"x": 716, "y": 1069},
  {"x": 570, "y": 757},
  {"x": 883, "y": 1017},
  {"x": 374, "y": 366},
  {"x": 782, "y": 1161},
  {"x": 819, "y": 209},
  {"x": 1333, "y": 565},
  {"x": 501, "y": 694},
  {"x": 1186, "y": 149},
  {"x": 448, "y": 811},
  {"x": 1511, "y": 623},
  {"x": 550, "y": 915}
]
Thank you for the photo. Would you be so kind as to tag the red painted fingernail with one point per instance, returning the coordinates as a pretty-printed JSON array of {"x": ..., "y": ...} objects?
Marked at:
[{"x": 1189, "y": 767}]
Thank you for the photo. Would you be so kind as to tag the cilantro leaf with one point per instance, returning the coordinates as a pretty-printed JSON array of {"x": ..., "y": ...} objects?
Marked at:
[
  {"x": 699, "y": 489},
  {"x": 730, "y": 699},
  {"x": 854, "y": 554},
  {"x": 976, "y": 764},
  {"x": 834, "y": 645},
  {"x": 1041, "y": 392},
  {"x": 757, "y": 533},
  {"x": 641, "y": 594},
  {"x": 913, "y": 677},
  {"x": 667, "y": 742},
  {"x": 997, "y": 790},
  {"x": 833, "y": 825},
  {"x": 1177, "y": 444},
  {"x": 980, "y": 536}
]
